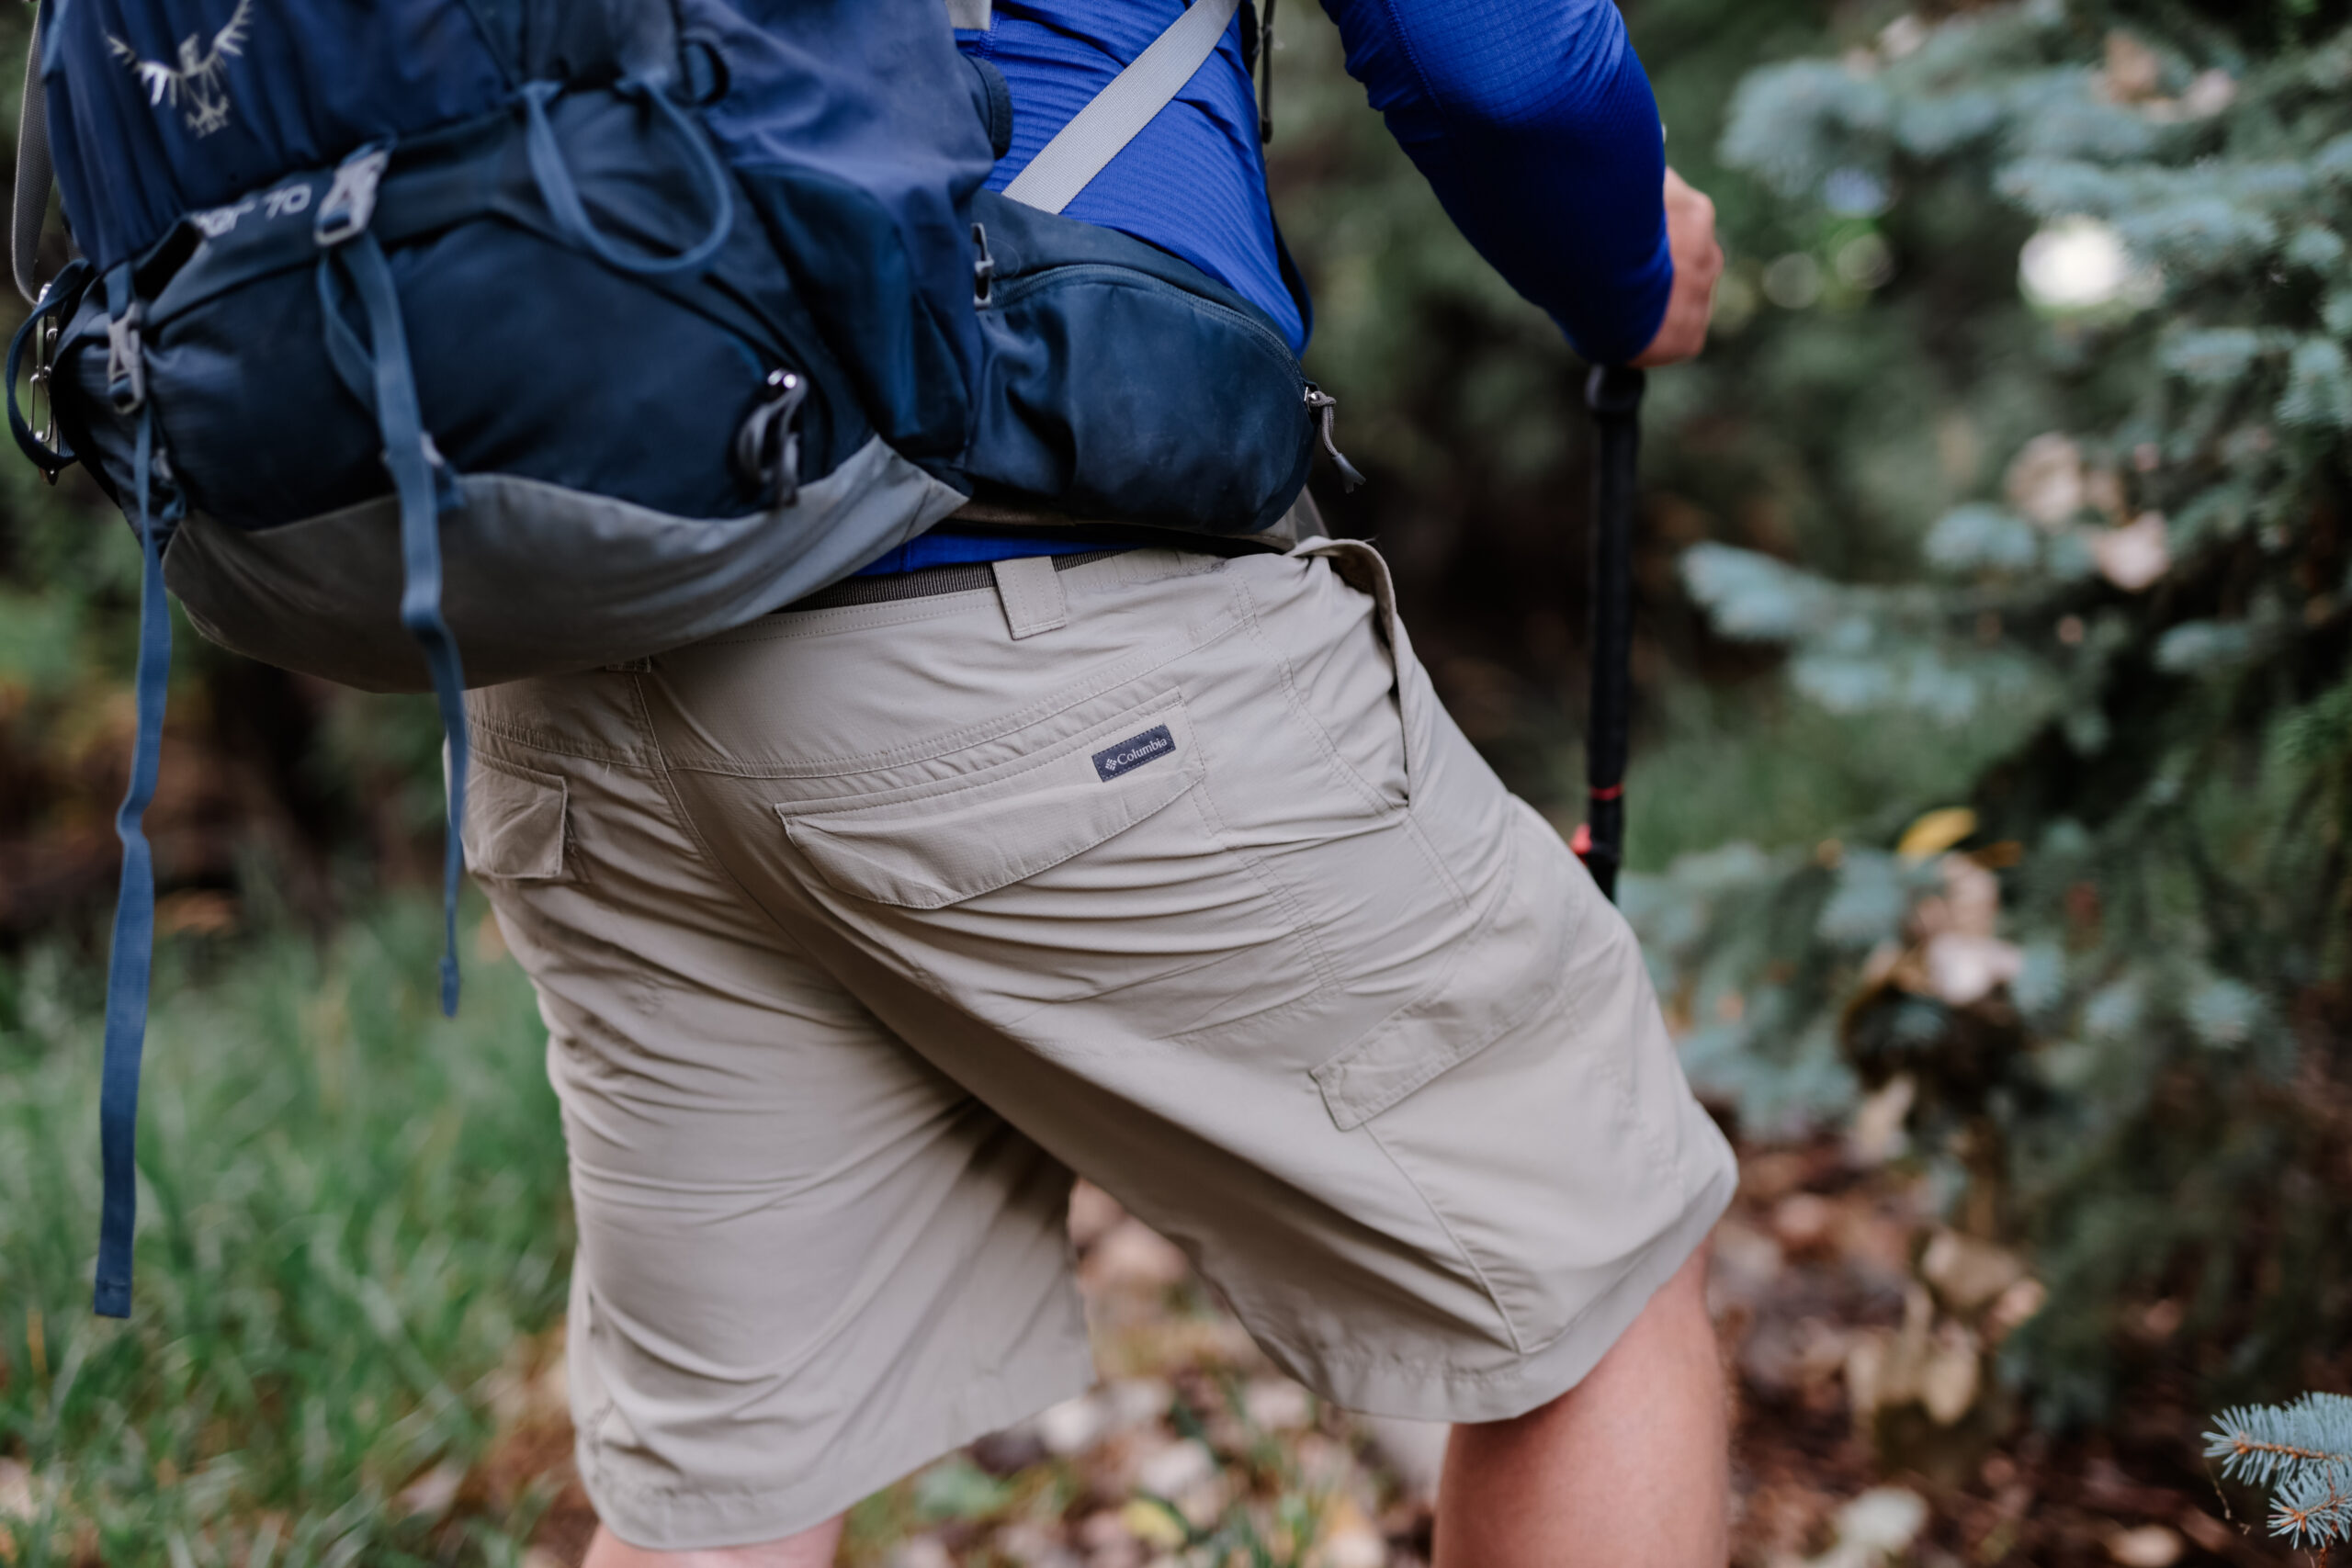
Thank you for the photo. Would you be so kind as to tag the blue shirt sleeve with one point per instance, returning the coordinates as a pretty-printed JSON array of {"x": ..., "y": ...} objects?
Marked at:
[{"x": 1534, "y": 124}]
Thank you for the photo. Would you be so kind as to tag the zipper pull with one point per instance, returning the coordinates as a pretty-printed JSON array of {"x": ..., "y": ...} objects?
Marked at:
[{"x": 1323, "y": 405}]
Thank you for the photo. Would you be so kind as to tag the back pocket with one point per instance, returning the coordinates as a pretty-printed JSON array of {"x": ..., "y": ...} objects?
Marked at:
[
  {"x": 516, "y": 821},
  {"x": 1081, "y": 900},
  {"x": 942, "y": 849}
]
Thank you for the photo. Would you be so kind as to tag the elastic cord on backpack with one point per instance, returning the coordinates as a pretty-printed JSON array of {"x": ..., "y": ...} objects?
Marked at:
[
  {"x": 132, "y": 960},
  {"x": 556, "y": 189}
]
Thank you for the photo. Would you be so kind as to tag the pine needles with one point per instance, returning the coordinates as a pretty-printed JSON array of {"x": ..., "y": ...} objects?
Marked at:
[{"x": 2302, "y": 1452}]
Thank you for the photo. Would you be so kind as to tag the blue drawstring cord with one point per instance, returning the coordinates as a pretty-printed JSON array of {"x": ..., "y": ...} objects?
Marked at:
[
  {"x": 132, "y": 961},
  {"x": 556, "y": 189}
]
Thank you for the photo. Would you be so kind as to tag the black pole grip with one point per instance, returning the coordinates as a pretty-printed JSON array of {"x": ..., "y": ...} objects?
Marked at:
[{"x": 1613, "y": 392}]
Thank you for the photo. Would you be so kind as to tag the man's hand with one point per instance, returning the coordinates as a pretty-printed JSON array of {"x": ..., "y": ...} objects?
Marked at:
[{"x": 1698, "y": 263}]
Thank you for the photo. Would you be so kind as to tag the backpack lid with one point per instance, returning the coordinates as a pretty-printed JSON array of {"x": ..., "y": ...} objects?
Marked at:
[{"x": 161, "y": 107}]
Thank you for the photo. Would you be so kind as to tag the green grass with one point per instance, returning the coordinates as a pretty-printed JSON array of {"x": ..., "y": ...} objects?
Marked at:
[{"x": 351, "y": 1210}]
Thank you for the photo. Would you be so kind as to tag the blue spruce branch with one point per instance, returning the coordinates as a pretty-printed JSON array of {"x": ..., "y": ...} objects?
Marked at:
[{"x": 2303, "y": 1451}]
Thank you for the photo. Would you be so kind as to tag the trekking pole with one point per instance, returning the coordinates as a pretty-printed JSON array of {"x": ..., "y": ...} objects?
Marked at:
[{"x": 1613, "y": 392}]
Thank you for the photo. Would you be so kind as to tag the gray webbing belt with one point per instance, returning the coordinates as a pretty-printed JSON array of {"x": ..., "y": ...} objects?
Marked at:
[{"x": 1064, "y": 166}]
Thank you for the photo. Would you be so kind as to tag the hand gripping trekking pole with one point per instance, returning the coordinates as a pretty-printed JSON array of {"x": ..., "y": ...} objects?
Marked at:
[{"x": 1614, "y": 394}]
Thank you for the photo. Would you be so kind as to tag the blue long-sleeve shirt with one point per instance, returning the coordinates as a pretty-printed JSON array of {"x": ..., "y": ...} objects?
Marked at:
[{"x": 1531, "y": 120}]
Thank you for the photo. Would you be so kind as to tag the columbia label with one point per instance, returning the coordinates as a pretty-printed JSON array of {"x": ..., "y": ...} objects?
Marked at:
[{"x": 1134, "y": 752}]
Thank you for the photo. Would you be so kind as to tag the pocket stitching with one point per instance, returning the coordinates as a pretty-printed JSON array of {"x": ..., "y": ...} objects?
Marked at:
[
  {"x": 794, "y": 828},
  {"x": 1285, "y": 897},
  {"x": 1329, "y": 1075},
  {"x": 798, "y": 821},
  {"x": 1297, "y": 701}
]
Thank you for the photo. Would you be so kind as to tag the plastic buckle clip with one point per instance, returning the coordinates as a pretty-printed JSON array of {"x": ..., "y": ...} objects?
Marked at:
[
  {"x": 983, "y": 266},
  {"x": 351, "y": 200},
  {"x": 126, "y": 370}
]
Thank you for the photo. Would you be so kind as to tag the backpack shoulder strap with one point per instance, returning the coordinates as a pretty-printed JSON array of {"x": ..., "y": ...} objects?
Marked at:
[
  {"x": 34, "y": 174},
  {"x": 1065, "y": 165}
]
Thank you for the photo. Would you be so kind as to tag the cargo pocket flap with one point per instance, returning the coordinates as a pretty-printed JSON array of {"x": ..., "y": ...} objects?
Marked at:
[
  {"x": 1513, "y": 964},
  {"x": 929, "y": 853},
  {"x": 514, "y": 822}
]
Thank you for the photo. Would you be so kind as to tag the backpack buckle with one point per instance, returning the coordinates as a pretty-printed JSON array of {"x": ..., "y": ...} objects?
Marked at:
[
  {"x": 125, "y": 368},
  {"x": 983, "y": 266},
  {"x": 767, "y": 445},
  {"x": 351, "y": 200}
]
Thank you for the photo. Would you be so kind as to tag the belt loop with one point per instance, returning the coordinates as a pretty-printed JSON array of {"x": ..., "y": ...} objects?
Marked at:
[{"x": 1030, "y": 592}]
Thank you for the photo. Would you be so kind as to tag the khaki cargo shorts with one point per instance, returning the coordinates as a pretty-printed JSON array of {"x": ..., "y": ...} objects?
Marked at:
[{"x": 857, "y": 930}]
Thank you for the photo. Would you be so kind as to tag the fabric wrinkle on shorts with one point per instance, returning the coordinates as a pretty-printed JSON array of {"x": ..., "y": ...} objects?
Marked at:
[{"x": 858, "y": 929}]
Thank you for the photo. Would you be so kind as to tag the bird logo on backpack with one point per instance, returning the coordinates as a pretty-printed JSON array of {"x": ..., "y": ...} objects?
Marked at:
[{"x": 201, "y": 76}]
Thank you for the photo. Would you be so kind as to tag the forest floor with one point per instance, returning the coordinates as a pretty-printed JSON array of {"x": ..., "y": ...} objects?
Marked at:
[
  {"x": 360, "y": 1233},
  {"x": 1193, "y": 1451}
]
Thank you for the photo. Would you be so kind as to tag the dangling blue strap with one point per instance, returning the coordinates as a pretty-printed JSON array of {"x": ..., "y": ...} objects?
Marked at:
[
  {"x": 420, "y": 479},
  {"x": 134, "y": 914}
]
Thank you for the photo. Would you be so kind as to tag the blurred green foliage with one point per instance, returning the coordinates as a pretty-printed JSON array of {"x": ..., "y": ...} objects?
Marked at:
[
  {"x": 351, "y": 1213},
  {"x": 2117, "y": 990}
]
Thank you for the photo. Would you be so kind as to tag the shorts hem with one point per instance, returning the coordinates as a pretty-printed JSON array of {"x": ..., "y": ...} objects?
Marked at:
[
  {"x": 683, "y": 1519},
  {"x": 1437, "y": 1393}
]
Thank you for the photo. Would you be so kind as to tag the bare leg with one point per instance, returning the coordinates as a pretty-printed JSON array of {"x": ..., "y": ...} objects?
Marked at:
[
  {"x": 1630, "y": 1468},
  {"x": 812, "y": 1548}
]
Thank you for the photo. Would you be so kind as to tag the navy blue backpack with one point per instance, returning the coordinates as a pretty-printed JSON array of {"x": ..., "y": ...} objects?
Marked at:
[{"x": 450, "y": 342}]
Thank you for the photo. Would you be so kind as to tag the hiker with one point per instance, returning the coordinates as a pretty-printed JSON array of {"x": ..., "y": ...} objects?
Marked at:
[
  {"x": 849, "y": 959},
  {"x": 919, "y": 745}
]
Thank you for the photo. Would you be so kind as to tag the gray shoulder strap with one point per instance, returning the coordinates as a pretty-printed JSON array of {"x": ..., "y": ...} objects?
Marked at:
[
  {"x": 1064, "y": 165},
  {"x": 970, "y": 16},
  {"x": 34, "y": 174}
]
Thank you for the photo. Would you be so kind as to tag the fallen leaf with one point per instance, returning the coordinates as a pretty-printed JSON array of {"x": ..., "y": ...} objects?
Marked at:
[
  {"x": 1876, "y": 1135},
  {"x": 2147, "y": 1546},
  {"x": 1176, "y": 1468},
  {"x": 2045, "y": 480},
  {"x": 1962, "y": 970},
  {"x": 1278, "y": 1404},
  {"x": 1803, "y": 1222},
  {"x": 923, "y": 1551},
  {"x": 1949, "y": 1381},
  {"x": 1935, "y": 833},
  {"x": 16, "y": 1490},
  {"x": 1152, "y": 1524},
  {"x": 1134, "y": 1254},
  {"x": 2132, "y": 71},
  {"x": 432, "y": 1492},
  {"x": 1967, "y": 1273},
  {"x": 2134, "y": 556}
]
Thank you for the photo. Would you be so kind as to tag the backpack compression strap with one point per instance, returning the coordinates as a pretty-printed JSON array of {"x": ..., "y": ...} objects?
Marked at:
[{"x": 1083, "y": 149}]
